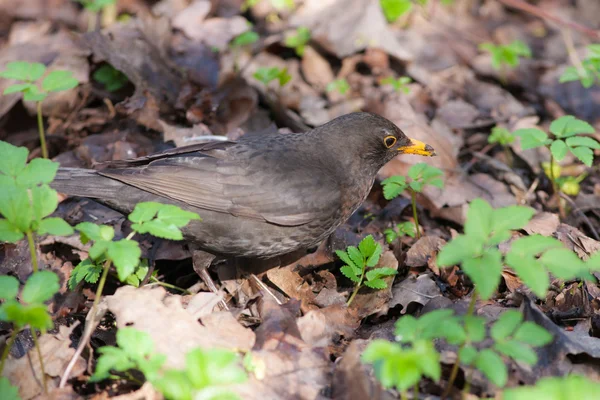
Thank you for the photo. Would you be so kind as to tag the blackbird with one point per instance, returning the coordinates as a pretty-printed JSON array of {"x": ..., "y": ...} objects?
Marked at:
[{"x": 263, "y": 196}]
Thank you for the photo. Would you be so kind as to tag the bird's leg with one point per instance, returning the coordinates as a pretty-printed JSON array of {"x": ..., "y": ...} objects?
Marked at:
[{"x": 201, "y": 260}]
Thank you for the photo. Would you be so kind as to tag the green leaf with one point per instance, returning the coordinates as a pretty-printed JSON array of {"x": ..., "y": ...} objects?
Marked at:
[
  {"x": 34, "y": 94},
  {"x": 584, "y": 141},
  {"x": 266, "y": 75},
  {"x": 380, "y": 273},
  {"x": 111, "y": 358},
  {"x": 531, "y": 272},
  {"x": 485, "y": 272},
  {"x": 86, "y": 270},
  {"x": 245, "y": 39},
  {"x": 475, "y": 328},
  {"x": 40, "y": 286},
  {"x": 467, "y": 354},
  {"x": 563, "y": 263},
  {"x": 367, "y": 246},
  {"x": 416, "y": 186},
  {"x": 9, "y": 233},
  {"x": 558, "y": 149},
  {"x": 54, "y": 226},
  {"x": 44, "y": 201},
  {"x": 346, "y": 258},
  {"x": 479, "y": 219},
  {"x": 376, "y": 284},
  {"x": 511, "y": 217},
  {"x": 517, "y": 351},
  {"x": 570, "y": 74},
  {"x": 90, "y": 231},
  {"x": 394, "y": 9},
  {"x": 111, "y": 78},
  {"x": 533, "y": 334},
  {"x": 492, "y": 366},
  {"x": 533, "y": 245},
  {"x": 144, "y": 212},
  {"x": 406, "y": 329},
  {"x": 339, "y": 85},
  {"x": 18, "y": 87},
  {"x": 568, "y": 125},
  {"x": 563, "y": 388},
  {"x": 58, "y": 81},
  {"x": 506, "y": 325},
  {"x": 15, "y": 207},
  {"x": 13, "y": 159},
  {"x": 161, "y": 220},
  {"x": 298, "y": 40},
  {"x": 458, "y": 250},
  {"x": 428, "y": 359},
  {"x": 416, "y": 170},
  {"x": 349, "y": 273},
  {"x": 532, "y": 138},
  {"x": 393, "y": 186},
  {"x": 23, "y": 71},
  {"x": 174, "y": 385},
  {"x": 585, "y": 154},
  {"x": 37, "y": 317},
  {"x": 38, "y": 171},
  {"x": 7, "y": 390},
  {"x": 125, "y": 255},
  {"x": 9, "y": 287},
  {"x": 137, "y": 344},
  {"x": 357, "y": 257}
]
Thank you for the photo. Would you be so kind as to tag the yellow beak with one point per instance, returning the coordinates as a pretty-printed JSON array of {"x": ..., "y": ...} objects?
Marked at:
[{"x": 418, "y": 148}]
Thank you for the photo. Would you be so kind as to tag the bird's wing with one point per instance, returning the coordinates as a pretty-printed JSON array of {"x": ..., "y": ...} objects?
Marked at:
[{"x": 223, "y": 181}]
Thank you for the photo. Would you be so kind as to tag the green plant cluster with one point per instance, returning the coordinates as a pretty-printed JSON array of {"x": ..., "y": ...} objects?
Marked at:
[
  {"x": 265, "y": 75},
  {"x": 565, "y": 388},
  {"x": 339, "y": 85},
  {"x": 207, "y": 373},
  {"x": 404, "y": 228},
  {"x": 508, "y": 55},
  {"x": 110, "y": 77},
  {"x": 589, "y": 73},
  {"x": 394, "y": 9},
  {"x": 398, "y": 84},
  {"x": 96, "y": 5},
  {"x": 359, "y": 265},
  {"x": 298, "y": 40}
]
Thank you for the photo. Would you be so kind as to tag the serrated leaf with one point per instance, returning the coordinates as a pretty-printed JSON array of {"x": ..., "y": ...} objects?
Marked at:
[
  {"x": 33, "y": 94},
  {"x": 563, "y": 263},
  {"x": 38, "y": 171},
  {"x": 558, "y": 148},
  {"x": 376, "y": 284},
  {"x": 40, "y": 286},
  {"x": 584, "y": 141},
  {"x": 125, "y": 255},
  {"x": 18, "y": 87},
  {"x": 9, "y": 233},
  {"x": 144, "y": 211},
  {"x": 584, "y": 154},
  {"x": 159, "y": 229},
  {"x": 506, "y": 324},
  {"x": 467, "y": 354},
  {"x": 346, "y": 258},
  {"x": 458, "y": 250},
  {"x": 349, "y": 273},
  {"x": 137, "y": 344},
  {"x": 9, "y": 287},
  {"x": 568, "y": 125},
  {"x": 15, "y": 207},
  {"x": 58, "y": 81},
  {"x": 393, "y": 186},
  {"x": 532, "y": 334},
  {"x": 406, "y": 329},
  {"x": 517, "y": 351},
  {"x": 111, "y": 358},
  {"x": 23, "y": 71},
  {"x": 485, "y": 272},
  {"x": 54, "y": 226},
  {"x": 531, "y": 272},
  {"x": 531, "y": 138},
  {"x": 367, "y": 246},
  {"x": 511, "y": 217},
  {"x": 380, "y": 272},
  {"x": 13, "y": 159},
  {"x": 492, "y": 366},
  {"x": 356, "y": 256},
  {"x": 44, "y": 201},
  {"x": 416, "y": 186},
  {"x": 479, "y": 219},
  {"x": 533, "y": 245},
  {"x": 416, "y": 170}
]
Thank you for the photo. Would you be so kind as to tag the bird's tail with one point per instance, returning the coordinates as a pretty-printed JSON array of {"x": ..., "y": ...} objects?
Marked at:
[{"x": 86, "y": 183}]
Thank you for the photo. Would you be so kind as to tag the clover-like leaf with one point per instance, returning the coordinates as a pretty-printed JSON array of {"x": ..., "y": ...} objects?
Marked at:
[
  {"x": 568, "y": 125},
  {"x": 492, "y": 366},
  {"x": 558, "y": 148},
  {"x": 13, "y": 159},
  {"x": 40, "y": 286},
  {"x": 585, "y": 154},
  {"x": 58, "y": 81},
  {"x": 532, "y": 138},
  {"x": 23, "y": 71}
]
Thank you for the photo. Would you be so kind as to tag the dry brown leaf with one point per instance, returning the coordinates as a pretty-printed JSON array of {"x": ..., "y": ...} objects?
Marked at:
[
  {"x": 543, "y": 223},
  {"x": 423, "y": 249},
  {"x": 421, "y": 290}
]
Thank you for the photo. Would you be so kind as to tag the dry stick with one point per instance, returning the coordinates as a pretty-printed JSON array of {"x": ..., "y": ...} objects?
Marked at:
[
  {"x": 32, "y": 251},
  {"x": 572, "y": 52},
  {"x": 538, "y": 12},
  {"x": 456, "y": 366},
  {"x": 582, "y": 215}
]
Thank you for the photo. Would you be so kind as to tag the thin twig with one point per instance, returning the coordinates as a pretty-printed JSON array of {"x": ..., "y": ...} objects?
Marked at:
[
  {"x": 36, "y": 342},
  {"x": 584, "y": 217},
  {"x": 265, "y": 288}
]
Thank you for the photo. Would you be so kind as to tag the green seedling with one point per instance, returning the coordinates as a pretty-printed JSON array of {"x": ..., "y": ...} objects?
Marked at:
[
  {"x": 266, "y": 75},
  {"x": 567, "y": 137},
  {"x": 588, "y": 73},
  {"x": 339, "y": 85},
  {"x": 36, "y": 89},
  {"x": 245, "y": 39},
  {"x": 7, "y": 390},
  {"x": 206, "y": 375},
  {"x": 111, "y": 78},
  {"x": 280, "y": 5},
  {"x": 298, "y": 40},
  {"x": 394, "y": 9},
  {"x": 26, "y": 200},
  {"x": 30, "y": 311},
  {"x": 556, "y": 388},
  {"x": 94, "y": 7},
  {"x": 420, "y": 175},
  {"x": 399, "y": 84},
  {"x": 506, "y": 56},
  {"x": 357, "y": 260},
  {"x": 504, "y": 138},
  {"x": 403, "y": 229}
]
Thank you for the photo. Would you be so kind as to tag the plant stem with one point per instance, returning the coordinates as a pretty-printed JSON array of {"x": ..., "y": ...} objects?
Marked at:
[
  {"x": 101, "y": 285},
  {"x": 32, "y": 250},
  {"x": 168, "y": 285},
  {"x": 362, "y": 276},
  {"x": 39, "y": 353},
  {"x": 413, "y": 198},
  {"x": 467, "y": 387},
  {"x": 403, "y": 395},
  {"x": 7, "y": 347},
  {"x": 561, "y": 210},
  {"x": 41, "y": 130},
  {"x": 456, "y": 366},
  {"x": 416, "y": 390}
]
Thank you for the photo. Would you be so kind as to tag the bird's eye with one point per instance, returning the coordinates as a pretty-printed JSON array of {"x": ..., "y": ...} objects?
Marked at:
[{"x": 389, "y": 141}]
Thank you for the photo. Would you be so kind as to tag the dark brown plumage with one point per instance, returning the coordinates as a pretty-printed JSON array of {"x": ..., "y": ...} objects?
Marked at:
[{"x": 262, "y": 196}]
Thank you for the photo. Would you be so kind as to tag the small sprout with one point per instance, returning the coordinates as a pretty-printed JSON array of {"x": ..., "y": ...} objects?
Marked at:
[
  {"x": 589, "y": 72},
  {"x": 356, "y": 262},
  {"x": 111, "y": 78},
  {"x": 87, "y": 270},
  {"x": 420, "y": 175},
  {"x": 502, "y": 136},
  {"x": 339, "y": 85},
  {"x": 95, "y": 5},
  {"x": 266, "y": 75},
  {"x": 34, "y": 88},
  {"x": 400, "y": 84},
  {"x": 245, "y": 39},
  {"x": 506, "y": 55},
  {"x": 403, "y": 229},
  {"x": 298, "y": 40},
  {"x": 394, "y": 9}
]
